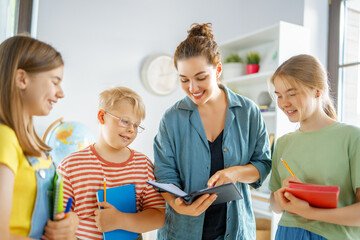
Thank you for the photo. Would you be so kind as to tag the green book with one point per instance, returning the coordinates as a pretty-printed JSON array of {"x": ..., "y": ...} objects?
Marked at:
[{"x": 58, "y": 195}]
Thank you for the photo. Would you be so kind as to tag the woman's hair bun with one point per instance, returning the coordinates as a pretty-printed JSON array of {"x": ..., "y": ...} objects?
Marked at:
[{"x": 201, "y": 30}]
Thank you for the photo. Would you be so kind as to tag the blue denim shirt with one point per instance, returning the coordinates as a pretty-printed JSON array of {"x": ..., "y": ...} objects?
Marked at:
[{"x": 182, "y": 157}]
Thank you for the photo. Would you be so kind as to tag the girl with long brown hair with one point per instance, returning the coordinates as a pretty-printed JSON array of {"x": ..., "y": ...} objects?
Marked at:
[
  {"x": 31, "y": 73},
  {"x": 322, "y": 151}
]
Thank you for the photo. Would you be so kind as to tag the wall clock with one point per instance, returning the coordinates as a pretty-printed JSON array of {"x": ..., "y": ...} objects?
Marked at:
[{"x": 159, "y": 75}]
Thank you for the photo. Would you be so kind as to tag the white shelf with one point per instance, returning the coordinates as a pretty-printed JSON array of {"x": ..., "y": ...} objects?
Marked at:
[
  {"x": 261, "y": 203},
  {"x": 255, "y": 38},
  {"x": 268, "y": 114},
  {"x": 263, "y": 212},
  {"x": 261, "y": 194},
  {"x": 275, "y": 45},
  {"x": 255, "y": 78}
]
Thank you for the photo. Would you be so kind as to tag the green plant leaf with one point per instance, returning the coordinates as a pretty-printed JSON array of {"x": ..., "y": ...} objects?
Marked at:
[
  {"x": 253, "y": 58},
  {"x": 233, "y": 58}
]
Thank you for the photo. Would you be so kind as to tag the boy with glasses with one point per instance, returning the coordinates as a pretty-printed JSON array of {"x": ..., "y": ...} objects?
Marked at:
[{"x": 120, "y": 113}]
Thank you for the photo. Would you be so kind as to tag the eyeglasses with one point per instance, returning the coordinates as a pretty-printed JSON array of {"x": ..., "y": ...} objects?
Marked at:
[{"x": 126, "y": 124}]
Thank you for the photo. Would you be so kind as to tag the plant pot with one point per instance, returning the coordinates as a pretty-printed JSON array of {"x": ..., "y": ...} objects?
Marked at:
[
  {"x": 231, "y": 70},
  {"x": 252, "y": 68}
]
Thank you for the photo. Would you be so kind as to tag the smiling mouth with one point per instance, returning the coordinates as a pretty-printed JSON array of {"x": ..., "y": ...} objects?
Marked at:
[
  {"x": 124, "y": 137},
  {"x": 51, "y": 102},
  {"x": 198, "y": 95},
  {"x": 290, "y": 112}
]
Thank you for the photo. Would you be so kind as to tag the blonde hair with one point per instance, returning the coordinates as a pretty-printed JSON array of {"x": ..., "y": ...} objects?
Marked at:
[
  {"x": 199, "y": 42},
  {"x": 32, "y": 56},
  {"x": 308, "y": 72},
  {"x": 110, "y": 98}
]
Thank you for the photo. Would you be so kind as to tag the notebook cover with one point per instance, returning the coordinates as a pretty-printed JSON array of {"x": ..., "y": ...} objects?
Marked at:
[
  {"x": 321, "y": 196},
  {"x": 123, "y": 198},
  {"x": 226, "y": 192}
]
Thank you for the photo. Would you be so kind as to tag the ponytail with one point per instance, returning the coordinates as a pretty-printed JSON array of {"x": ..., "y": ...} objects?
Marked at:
[{"x": 329, "y": 108}]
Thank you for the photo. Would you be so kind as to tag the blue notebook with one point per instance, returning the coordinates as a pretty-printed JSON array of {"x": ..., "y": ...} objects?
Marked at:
[{"x": 123, "y": 198}]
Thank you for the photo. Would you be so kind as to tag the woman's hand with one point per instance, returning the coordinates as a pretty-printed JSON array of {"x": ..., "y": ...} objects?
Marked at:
[
  {"x": 195, "y": 209},
  {"x": 221, "y": 177},
  {"x": 105, "y": 219},
  {"x": 245, "y": 174},
  {"x": 64, "y": 228}
]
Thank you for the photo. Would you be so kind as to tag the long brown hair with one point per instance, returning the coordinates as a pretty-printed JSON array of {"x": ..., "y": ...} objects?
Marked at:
[
  {"x": 307, "y": 71},
  {"x": 199, "y": 42},
  {"x": 32, "y": 56}
]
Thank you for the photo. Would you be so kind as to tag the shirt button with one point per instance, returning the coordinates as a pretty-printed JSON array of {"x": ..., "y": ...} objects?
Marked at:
[
  {"x": 227, "y": 235},
  {"x": 42, "y": 173},
  {"x": 225, "y": 149},
  {"x": 226, "y": 166},
  {"x": 228, "y": 219}
]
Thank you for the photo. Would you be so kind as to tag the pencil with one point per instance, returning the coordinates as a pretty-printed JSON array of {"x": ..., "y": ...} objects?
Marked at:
[
  {"x": 104, "y": 189},
  {"x": 287, "y": 166}
]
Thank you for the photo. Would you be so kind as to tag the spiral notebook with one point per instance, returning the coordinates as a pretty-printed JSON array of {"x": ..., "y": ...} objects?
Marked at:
[
  {"x": 123, "y": 198},
  {"x": 58, "y": 195}
]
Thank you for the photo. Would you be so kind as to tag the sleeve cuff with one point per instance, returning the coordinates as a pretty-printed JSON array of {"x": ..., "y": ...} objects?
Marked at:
[{"x": 264, "y": 172}]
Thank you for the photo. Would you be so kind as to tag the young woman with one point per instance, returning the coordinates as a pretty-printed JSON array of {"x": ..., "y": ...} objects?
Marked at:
[
  {"x": 211, "y": 137},
  {"x": 30, "y": 76},
  {"x": 322, "y": 151}
]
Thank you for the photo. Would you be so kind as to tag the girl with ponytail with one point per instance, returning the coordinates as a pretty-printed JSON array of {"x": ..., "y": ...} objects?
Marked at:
[{"x": 322, "y": 151}]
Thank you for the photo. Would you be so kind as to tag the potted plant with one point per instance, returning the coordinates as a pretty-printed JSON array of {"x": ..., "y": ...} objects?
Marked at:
[
  {"x": 233, "y": 66},
  {"x": 252, "y": 62}
]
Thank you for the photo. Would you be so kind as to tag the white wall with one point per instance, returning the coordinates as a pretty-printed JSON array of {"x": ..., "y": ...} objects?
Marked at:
[
  {"x": 6, "y": 28},
  {"x": 316, "y": 18},
  {"x": 105, "y": 42}
]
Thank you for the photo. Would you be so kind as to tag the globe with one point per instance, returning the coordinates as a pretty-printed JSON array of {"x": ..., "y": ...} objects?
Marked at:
[{"x": 67, "y": 137}]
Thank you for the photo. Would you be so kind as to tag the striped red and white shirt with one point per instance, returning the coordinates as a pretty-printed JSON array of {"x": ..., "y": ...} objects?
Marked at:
[{"x": 83, "y": 174}]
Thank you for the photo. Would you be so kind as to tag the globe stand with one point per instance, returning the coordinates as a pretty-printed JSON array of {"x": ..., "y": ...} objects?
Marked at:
[{"x": 60, "y": 120}]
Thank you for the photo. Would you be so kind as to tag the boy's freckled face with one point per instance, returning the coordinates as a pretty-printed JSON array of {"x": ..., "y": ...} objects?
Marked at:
[{"x": 115, "y": 134}]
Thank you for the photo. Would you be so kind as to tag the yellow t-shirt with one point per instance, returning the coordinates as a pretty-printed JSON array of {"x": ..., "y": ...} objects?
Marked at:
[{"x": 24, "y": 193}]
